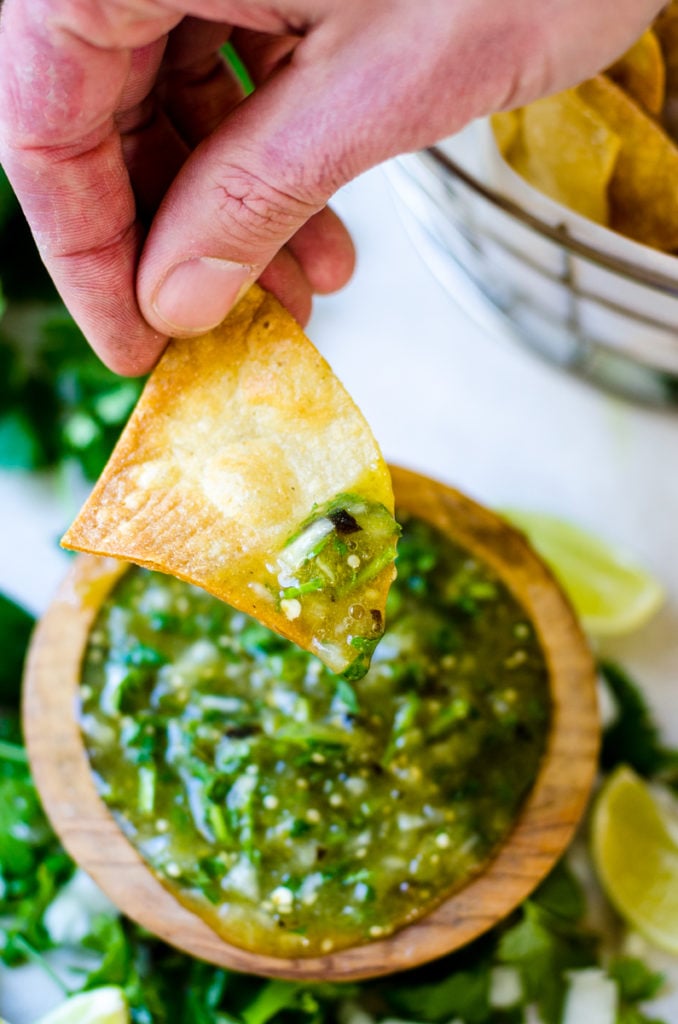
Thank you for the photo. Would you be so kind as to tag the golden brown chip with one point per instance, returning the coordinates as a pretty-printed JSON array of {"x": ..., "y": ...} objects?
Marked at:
[
  {"x": 506, "y": 128},
  {"x": 644, "y": 187},
  {"x": 243, "y": 458},
  {"x": 666, "y": 30},
  {"x": 640, "y": 72},
  {"x": 568, "y": 152}
]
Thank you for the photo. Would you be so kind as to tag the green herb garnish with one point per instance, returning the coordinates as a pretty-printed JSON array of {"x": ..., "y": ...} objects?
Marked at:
[{"x": 538, "y": 945}]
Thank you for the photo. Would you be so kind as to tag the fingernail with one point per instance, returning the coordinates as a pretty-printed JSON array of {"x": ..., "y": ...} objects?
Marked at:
[{"x": 196, "y": 295}]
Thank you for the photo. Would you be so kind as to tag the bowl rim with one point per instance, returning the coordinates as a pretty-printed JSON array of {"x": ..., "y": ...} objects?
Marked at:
[
  {"x": 542, "y": 831},
  {"x": 559, "y": 234}
]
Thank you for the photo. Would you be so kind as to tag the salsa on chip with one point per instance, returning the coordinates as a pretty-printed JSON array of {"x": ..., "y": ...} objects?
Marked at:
[{"x": 247, "y": 469}]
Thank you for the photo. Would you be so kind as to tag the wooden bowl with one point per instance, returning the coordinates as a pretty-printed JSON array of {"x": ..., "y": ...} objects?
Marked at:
[{"x": 542, "y": 832}]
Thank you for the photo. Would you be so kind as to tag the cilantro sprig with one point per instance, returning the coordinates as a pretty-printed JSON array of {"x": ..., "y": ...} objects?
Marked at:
[
  {"x": 632, "y": 737},
  {"x": 58, "y": 403}
]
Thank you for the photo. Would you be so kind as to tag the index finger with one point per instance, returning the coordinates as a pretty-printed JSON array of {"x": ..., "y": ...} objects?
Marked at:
[{"x": 60, "y": 85}]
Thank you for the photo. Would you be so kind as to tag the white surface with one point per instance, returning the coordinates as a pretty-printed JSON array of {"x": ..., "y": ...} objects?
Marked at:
[{"x": 473, "y": 410}]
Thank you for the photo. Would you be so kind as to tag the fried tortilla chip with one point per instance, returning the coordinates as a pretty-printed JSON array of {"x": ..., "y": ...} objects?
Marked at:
[
  {"x": 506, "y": 128},
  {"x": 568, "y": 152},
  {"x": 666, "y": 29},
  {"x": 644, "y": 186},
  {"x": 641, "y": 73},
  {"x": 247, "y": 469}
]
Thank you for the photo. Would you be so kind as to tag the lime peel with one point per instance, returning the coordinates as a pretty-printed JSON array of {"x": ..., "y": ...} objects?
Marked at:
[
  {"x": 611, "y": 593},
  {"x": 635, "y": 853},
  {"x": 105, "y": 1005}
]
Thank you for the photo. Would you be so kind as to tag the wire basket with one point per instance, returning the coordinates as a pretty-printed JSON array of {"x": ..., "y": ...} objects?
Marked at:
[{"x": 607, "y": 318}]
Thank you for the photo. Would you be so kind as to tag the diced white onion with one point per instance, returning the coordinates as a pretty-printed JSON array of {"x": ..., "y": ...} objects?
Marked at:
[
  {"x": 242, "y": 878},
  {"x": 351, "y": 1013},
  {"x": 505, "y": 987},
  {"x": 410, "y": 822},
  {"x": 331, "y": 654},
  {"x": 71, "y": 914},
  {"x": 297, "y": 552},
  {"x": 202, "y": 652},
  {"x": 591, "y": 997}
]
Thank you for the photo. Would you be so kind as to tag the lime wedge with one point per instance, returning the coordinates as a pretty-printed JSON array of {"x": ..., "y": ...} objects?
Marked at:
[
  {"x": 635, "y": 852},
  {"x": 105, "y": 1005},
  {"x": 611, "y": 593}
]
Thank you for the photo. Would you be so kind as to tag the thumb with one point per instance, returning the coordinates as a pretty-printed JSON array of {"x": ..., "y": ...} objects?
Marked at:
[
  {"x": 351, "y": 95},
  {"x": 244, "y": 192}
]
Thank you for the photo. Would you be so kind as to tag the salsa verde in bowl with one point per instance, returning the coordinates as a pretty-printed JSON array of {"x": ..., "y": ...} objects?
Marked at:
[{"x": 308, "y": 824}]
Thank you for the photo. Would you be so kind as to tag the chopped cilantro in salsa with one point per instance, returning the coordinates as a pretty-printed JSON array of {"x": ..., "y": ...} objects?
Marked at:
[
  {"x": 301, "y": 811},
  {"x": 325, "y": 571}
]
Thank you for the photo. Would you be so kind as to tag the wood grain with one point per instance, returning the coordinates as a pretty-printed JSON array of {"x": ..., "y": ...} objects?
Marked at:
[{"x": 543, "y": 830}]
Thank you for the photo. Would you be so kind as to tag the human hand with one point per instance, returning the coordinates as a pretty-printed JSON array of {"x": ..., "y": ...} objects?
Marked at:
[{"x": 157, "y": 194}]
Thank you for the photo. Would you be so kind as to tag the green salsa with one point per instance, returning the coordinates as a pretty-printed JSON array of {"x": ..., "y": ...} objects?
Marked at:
[
  {"x": 297, "y": 811},
  {"x": 327, "y": 571}
]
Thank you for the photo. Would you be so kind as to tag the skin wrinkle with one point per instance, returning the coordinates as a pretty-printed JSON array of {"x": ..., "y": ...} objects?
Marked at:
[
  {"x": 78, "y": 207},
  {"x": 263, "y": 145},
  {"x": 258, "y": 206},
  {"x": 102, "y": 250},
  {"x": 144, "y": 67},
  {"x": 276, "y": 19},
  {"x": 93, "y": 22},
  {"x": 116, "y": 316}
]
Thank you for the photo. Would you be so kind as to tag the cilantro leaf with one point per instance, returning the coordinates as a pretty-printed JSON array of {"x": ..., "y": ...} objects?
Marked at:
[
  {"x": 543, "y": 948},
  {"x": 632, "y": 737},
  {"x": 16, "y": 625},
  {"x": 464, "y": 994},
  {"x": 20, "y": 445},
  {"x": 635, "y": 980},
  {"x": 270, "y": 1000},
  {"x": 561, "y": 894},
  {"x": 59, "y": 403},
  {"x": 108, "y": 937},
  {"x": 347, "y": 695},
  {"x": 632, "y": 1015}
]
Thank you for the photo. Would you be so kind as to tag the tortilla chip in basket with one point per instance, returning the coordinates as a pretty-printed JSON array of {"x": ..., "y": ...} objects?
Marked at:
[
  {"x": 644, "y": 186},
  {"x": 641, "y": 73},
  {"x": 247, "y": 469},
  {"x": 666, "y": 30},
  {"x": 506, "y": 127},
  {"x": 568, "y": 152}
]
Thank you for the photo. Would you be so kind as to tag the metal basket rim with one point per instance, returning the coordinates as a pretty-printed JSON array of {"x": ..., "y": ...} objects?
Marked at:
[{"x": 559, "y": 233}]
